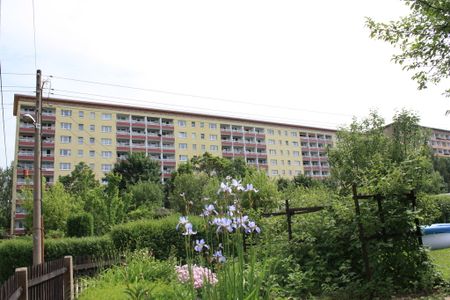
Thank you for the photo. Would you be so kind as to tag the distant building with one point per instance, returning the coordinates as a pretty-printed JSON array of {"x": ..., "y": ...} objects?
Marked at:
[{"x": 99, "y": 134}]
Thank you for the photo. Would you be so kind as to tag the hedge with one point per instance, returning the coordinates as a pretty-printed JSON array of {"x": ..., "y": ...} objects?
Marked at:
[
  {"x": 80, "y": 225},
  {"x": 160, "y": 236},
  {"x": 17, "y": 253}
]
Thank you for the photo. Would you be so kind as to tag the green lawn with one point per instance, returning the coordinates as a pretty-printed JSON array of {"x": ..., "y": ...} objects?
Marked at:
[{"x": 441, "y": 259}]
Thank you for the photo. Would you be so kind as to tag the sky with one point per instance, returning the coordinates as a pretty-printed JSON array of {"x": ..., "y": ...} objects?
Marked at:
[{"x": 301, "y": 62}]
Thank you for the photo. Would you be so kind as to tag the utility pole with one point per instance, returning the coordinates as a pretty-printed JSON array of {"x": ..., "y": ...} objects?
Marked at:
[{"x": 37, "y": 179}]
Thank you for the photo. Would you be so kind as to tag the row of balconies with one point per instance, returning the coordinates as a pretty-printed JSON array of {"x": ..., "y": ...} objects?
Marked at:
[
  {"x": 46, "y": 116},
  {"x": 143, "y": 124},
  {"x": 240, "y": 133}
]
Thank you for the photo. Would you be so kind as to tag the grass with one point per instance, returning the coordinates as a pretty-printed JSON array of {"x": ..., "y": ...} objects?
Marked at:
[{"x": 441, "y": 258}]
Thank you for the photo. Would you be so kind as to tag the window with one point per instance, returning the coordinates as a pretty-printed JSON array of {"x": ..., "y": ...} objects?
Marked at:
[
  {"x": 202, "y": 136},
  {"x": 106, "y": 154},
  {"x": 183, "y": 158},
  {"x": 289, "y": 162},
  {"x": 80, "y": 152},
  {"x": 287, "y": 143},
  {"x": 106, "y": 167},
  {"x": 203, "y": 147},
  {"x": 212, "y": 126},
  {"x": 271, "y": 142},
  {"x": 194, "y": 136},
  {"x": 213, "y": 137},
  {"x": 106, "y": 117},
  {"x": 194, "y": 146},
  {"x": 106, "y": 142},
  {"x": 182, "y": 135},
  {"x": 66, "y": 112},
  {"x": 66, "y": 126},
  {"x": 80, "y": 127},
  {"x": 92, "y": 166},
  {"x": 92, "y": 127},
  {"x": 106, "y": 128},
  {"x": 293, "y": 133},
  {"x": 66, "y": 139},
  {"x": 202, "y": 124},
  {"x": 91, "y": 153},
  {"x": 181, "y": 123},
  {"x": 182, "y": 145},
  {"x": 92, "y": 115},
  {"x": 273, "y": 162},
  {"x": 279, "y": 132},
  {"x": 64, "y": 166},
  {"x": 270, "y": 131},
  {"x": 214, "y": 148},
  {"x": 296, "y": 153},
  {"x": 192, "y": 124},
  {"x": 81, "y": 114},
  {"x": 295, "y": 144},
  {"x": 64, "y": 152},
  {"x": 273, "y": 151},
  {"x": 285, "y": 133},
  {"x": 80, "y": 140},
  {"x": 282, "y": 162},
  {"x": 274, "y": 172},
  {"x": 91, "y": 140}
]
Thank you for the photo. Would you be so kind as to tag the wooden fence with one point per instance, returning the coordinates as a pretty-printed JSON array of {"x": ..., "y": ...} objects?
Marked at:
[{"x": 50, "y": 280}]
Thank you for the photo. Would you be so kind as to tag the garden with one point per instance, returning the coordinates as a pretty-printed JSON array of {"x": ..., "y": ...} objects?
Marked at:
[{"x": 220, "y": 229}]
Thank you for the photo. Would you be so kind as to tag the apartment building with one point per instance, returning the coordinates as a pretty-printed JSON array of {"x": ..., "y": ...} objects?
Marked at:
[{"x": 98, "y": 134}]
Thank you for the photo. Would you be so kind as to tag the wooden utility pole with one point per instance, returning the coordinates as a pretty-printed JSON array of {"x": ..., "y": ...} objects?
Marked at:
[{"x": 37, "y": 179}]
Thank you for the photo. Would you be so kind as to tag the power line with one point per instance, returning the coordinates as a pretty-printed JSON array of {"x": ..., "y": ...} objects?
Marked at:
[
  {"x": 229, "y": 114},
  {"x": 1, "y": 96},
  {"x": 193, "y": 96},
  {"x": 34, "y": 36}
]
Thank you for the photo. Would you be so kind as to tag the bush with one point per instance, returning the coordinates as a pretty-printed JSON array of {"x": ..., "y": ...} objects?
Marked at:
[
  {"x": 80, "y": 225},
  {"x": 18, "y": 252},
  {"x": 442, "y": 203},
  {"x": 159, "y": 236}
]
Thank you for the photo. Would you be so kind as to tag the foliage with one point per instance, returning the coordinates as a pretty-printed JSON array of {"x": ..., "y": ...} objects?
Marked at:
[
  {"x": 423, "y": 39},
  {"x": 80, "y": 180},
  {"x": 441, "y": 258},
  {"x": 137, "y": 168},
  {"x": 395, "y": 163},
  {"x": 57, "y": 205},
  {"x": 442, "y": 207},
  {"x": 148, "y": 194},
  {"x": 18, "y": 252},
  {"x": 80, "y": 225},
  {"x": 5, "y": 197},
  {"x": 142, "y": 213},
  {"x": 219, "y": 166},
  {"x": 324, "y": 258},
  {"x": 267, "y": 198},
  {"x": 442, "y": 165},
  {"x": 158, "y": 236},
  {"x": 189, "y": 191}
]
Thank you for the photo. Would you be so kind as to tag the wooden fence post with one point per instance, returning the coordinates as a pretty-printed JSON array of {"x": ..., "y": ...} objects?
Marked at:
[
  {"x": 22, "y": 279},
  {"x": 362, "y": 237},
  {"x": 288, "y": 219},
  {"x": 68, "y": 278}
]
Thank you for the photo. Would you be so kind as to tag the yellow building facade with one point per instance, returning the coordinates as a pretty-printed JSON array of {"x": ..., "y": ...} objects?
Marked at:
[{"x": 99, "y": 134}]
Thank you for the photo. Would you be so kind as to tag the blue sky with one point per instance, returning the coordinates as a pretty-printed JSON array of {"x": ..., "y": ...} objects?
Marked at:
[{"x": 306, "y": 62}]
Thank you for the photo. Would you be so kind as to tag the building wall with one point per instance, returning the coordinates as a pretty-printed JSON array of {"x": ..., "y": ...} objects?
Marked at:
[{"x": 100, "y": 134}]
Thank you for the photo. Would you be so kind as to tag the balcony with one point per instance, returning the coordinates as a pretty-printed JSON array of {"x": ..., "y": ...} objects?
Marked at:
[
  {"x": 138, "y": 136},
  {"x": 167, "y": 126},
  {"x": 25, "y": 156},
  {"x": 227, "y": 154},
  {"x": 168, "y": 138},
  {"x": 48, "y": 157},
  {"x": 123, "y": 135},
  {"x": 225, "y": 131},
  {"x": 227, "y": 143},
  {"x": 260, "y": 135},
  {"x": 48, "y": 117},
  {"x": 123, "y": 123},
  {"x": 48, "y": 130},
  {"x": 153, "y": 125},
  {"x": 26, "y": 143},
  {"x": 168, "y": 162}
]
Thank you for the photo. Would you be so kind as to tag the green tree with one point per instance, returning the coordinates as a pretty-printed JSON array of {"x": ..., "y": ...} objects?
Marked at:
[
  {"x": 188, "y": 193},
  {"x": 219, "y": 166},
  {"x": 5, "y": 197},
  {"x": 423, "y": 38},
  {"x": 80, "y": 180},
  {"x": 442, "y": 166},
  {"x": 148, "y": 194},
  {"x": 137, "y": 167},
  {"x": 57, "y": 206}
]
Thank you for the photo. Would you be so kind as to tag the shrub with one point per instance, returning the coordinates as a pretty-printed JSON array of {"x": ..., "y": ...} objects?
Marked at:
[
  {"x": 159, "y": 236},
  {"x": 18, "y": 252},
  {"x": 80, "y": 225}
]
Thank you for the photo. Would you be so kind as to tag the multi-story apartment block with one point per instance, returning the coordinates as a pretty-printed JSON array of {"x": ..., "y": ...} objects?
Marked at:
[{"x": 99, "y": 134}]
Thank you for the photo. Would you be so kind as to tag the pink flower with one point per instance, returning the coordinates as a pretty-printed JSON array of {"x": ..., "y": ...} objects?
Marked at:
[{"x": 201, "y": 275}]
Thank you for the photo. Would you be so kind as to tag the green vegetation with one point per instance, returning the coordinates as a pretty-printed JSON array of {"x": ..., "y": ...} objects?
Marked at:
[
  {"x": 422, "y": 37},
  {"x": 5, "y": 198},
  {"x": 80, "y": 225},
  {"x": 441, "y": 259}
]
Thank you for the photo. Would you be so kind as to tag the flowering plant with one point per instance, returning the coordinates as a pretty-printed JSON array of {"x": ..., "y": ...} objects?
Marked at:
[{"x": 223, "y": 251}]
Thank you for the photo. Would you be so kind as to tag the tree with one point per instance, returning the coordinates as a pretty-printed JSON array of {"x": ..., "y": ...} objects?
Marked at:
[
  {"x": 137, "y": 167},
  {"x": 147, "y": 194},
  {"x": 5, "y": 197},
  {"x": 423, "y": 38},
  {"x": 219, "y": 166},
  {"x": 80, "y": 180},
  {"x": 188, "y": 193},
  {"x": 57, "y": 206},
  {"x": 383, "y": 163}
]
